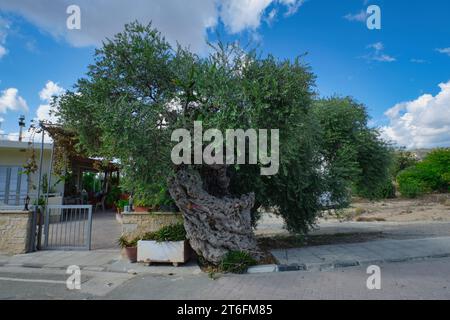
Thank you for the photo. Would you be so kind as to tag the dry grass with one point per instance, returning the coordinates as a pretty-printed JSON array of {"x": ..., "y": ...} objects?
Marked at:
[
  {"x": 369, "y": 219},
  {"x": 434, "y": 207},
  {"x": 296, "y": 241}
]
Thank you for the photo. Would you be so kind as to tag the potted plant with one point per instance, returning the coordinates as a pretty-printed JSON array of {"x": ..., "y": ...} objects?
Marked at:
[
  {"x": 154, "y": 197},
  {"x": 169, "y": 244},
  {"x": 142, "y": 204},
  {"x": 129, "y": 248},
  {"x": 120, "y": 205}
]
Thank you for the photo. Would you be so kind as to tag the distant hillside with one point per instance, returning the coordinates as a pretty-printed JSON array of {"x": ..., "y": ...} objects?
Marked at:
[{"x": 421, "y": 153}]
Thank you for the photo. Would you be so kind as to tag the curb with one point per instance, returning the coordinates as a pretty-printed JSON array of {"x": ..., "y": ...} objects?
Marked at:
[
  {"x": 328, "y": 266},
  {"x": 43, "y": 266},
  {"x": 267, "y": 268}
]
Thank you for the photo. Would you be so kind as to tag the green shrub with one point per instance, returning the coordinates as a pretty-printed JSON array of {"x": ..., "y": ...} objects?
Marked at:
[
  {"x": 432, "y": 174},
  {"x": 121, "y": 204},
  {"x": 237, "y": 262},
  {"x": 154, "y": 195},
  {"x": 124, "y": 242},
  {"x": 175, "y": 232},
  {"x": 403, "y": 160},
  {"x": 113, "y": 195},
  {"x": 409, "y": 183},
  {"x": 388, "y": 192},
  {"x": 437, "y": 167},
  {"x": 360, "y": 211}
]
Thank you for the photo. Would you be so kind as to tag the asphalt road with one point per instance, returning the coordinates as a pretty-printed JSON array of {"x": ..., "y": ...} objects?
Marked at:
[{"x": 428, "y": 279}]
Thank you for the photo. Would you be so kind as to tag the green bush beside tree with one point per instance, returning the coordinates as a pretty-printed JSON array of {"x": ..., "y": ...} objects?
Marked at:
[{"x": 430, "y": 175}]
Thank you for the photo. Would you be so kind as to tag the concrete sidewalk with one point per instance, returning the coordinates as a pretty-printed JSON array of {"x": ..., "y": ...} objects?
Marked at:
[
  {"x": 328, "y": 257},
  {"x": 317, "y": 258},
  {"x": 62, "y": 259},
  {"x": 95, "y": 260}
]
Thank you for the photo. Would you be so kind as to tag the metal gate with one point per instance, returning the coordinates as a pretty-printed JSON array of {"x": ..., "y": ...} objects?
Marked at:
[{"x": 67, "y": 227}]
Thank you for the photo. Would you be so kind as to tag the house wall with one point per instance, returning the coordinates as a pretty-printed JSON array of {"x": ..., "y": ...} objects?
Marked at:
[
  {"x": 14, "y": 231},
  {"x": 14, "y": 156}
]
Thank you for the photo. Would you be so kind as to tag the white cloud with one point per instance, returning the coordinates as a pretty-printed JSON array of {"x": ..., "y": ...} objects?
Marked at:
[
  {"x": 377, "y": 53},
  {"x": 3, "y": 51},
  {"x": 45, "y": 112},
  {"x": 292, "y": 6},
  {"x": 4, "y": 26},
  {"x": 359, "y": 17},
  {"x": 419, "y": 61},
  {"x": 180, "y": 21},
  {"x": 377, "y": 46},
  {"x": 444, "y": 51},
  {"x": 421, "y": 123},
  {"x": 384, "y": 58},
  {"x": 271, "y": 16},
  {"x": 239, "y": 15},
  {"x": 50, "y": 90},
  {"x": 27, "y": 136},
  {"x": 10, "y": 100}
]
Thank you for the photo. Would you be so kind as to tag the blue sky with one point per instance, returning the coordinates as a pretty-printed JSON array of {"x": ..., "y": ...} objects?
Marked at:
[{"x": 395, "y": 71}]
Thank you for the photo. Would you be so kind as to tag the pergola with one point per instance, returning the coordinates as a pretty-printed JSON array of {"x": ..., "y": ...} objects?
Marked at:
[
  {"x": 64, "y": 148},
  {"x": 79, "y": 165}
]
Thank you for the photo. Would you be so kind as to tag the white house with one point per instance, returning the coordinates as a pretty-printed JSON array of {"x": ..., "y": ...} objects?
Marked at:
[{"x": 14, "y": 185}]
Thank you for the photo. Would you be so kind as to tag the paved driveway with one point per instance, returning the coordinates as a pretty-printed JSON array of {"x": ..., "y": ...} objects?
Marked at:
[{"x": 105, "y": 230}]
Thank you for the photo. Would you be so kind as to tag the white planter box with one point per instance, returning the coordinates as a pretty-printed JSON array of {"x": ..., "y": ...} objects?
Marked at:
[{"x": 171, "y": 251}]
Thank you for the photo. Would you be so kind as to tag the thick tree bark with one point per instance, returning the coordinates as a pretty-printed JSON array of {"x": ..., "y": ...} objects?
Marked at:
[{"x": 215, "y": 223}]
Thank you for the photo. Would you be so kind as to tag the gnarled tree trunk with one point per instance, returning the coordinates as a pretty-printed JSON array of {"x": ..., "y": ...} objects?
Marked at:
[{"x": 215, "y": 223}]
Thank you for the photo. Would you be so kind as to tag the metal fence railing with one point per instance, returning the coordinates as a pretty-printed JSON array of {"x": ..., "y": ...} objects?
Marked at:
[{"x": 67, "y": 227}]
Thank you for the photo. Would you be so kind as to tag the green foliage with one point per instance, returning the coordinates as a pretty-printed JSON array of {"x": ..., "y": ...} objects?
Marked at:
[
  {"x": 355, "y": 158},
  {"x": 91, "y": 183},
  {"x": 432, "y": 174},
  {"x": 403, "y": 160},
  {"x": 113, "y": 195},
  {"x": 387, "y": 191},
  {"x": 175, "y": 232},
  {"x": 121, "y": 204},
  {"x": 44, "y": 185},
  {"x": 237, "y": 262},
  {"x": 40, "y": 202},
  {"x": 153, "y": 195},
  {"x": 124, "y": 242},
  {"x": 410, "y": 185}
]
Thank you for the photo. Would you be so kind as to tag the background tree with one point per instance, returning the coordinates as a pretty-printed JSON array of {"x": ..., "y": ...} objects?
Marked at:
[
  {"x": 403, "y": 159},
  {"x": 431, "y": 174},
  {"x": 356, "y": 159}
]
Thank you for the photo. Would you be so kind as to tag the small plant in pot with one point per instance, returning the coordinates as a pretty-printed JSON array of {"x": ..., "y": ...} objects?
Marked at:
[
  {"x": 120, "y": 205},
  {"x": 154, "y": 198},
  {"x": 129, "y": 247},
  {"x": 169, "y": 244},
  {"x": 142, "y": 205}
]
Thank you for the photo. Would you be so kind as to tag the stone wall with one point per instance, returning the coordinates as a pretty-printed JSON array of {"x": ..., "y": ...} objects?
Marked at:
[
  {"x": 14, "y": 231},
  {"x": 138, "y": 223}
]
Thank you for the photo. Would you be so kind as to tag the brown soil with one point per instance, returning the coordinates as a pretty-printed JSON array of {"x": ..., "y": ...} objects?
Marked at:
[{"x": 429, "y": 208}]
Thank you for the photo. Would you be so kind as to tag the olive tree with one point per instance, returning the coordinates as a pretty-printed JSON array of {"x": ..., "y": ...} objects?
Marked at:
[{"x": 140, "y": 89}]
